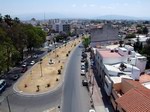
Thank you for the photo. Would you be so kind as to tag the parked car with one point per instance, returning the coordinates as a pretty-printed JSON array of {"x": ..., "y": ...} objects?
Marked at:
[
  {"x": 84, "y": 83},
  {"x": 35, "y": 56},
  {"x": 4, "y": 76},
  {"x": 83, "y": 72},
  {"x": 14, "y": 77},
  {"x": 2, "y": 85},
  {"x": 84, "y": 55},
  {"x": 83, "y": 67},
  {"x": 25, "y": 64},
  {"x": 24, "y": 69},
  {"x": 82, "y": 60},
  {"x": 92, "y": 110},
  {"x": 83, "y": 63},
  {"x": 32, "y": 63},
  {"x": 51, "y": 61}
]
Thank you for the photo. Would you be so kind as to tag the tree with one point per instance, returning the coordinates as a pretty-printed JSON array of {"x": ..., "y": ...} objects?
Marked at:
[
  {"x": 145, "y": 30},
  {"x": 14, "y": 37},
  {"x": 16, "y": 19},
  {"x": 86, "y": 41},
  {"x": 8, "y": 20},
  {"x": 1, "y": 18},
  {"x": 120, "y": 43}
]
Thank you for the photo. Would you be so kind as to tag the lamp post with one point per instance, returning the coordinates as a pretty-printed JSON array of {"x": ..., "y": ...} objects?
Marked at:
[
  {"x": 41, "y": 67},
  {"x": 7, "y": 99},
  {"x": 8, "y": 103}
]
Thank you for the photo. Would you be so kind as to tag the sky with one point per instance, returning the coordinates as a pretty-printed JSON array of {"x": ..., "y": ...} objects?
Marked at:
[{"x": 75, "y": 8}]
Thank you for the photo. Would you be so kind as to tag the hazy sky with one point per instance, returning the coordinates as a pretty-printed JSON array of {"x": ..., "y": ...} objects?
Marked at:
[{"x": 76, "y": 8}]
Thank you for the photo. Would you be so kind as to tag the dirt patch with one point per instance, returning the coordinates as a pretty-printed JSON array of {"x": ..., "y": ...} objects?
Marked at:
[{"x": 43, "y": 77}]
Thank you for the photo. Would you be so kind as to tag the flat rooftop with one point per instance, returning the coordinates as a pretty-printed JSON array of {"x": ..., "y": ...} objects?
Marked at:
[{"x": 108, "y": 54}]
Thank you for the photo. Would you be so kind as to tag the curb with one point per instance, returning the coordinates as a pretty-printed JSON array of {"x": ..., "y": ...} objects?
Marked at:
[
  {"x": 51, "y": 91},
  {"x": 66, "y": 66}
]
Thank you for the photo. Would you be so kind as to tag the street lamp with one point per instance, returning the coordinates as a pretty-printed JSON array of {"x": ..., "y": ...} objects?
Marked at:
[
  {"x": 7, "y": 99},
  {"x": 41, "y": 67}
]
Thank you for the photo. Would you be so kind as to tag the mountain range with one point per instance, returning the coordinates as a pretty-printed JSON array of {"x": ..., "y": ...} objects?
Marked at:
[
  {"x": 120, "y": 17},
  {"x": 42, "y": 16}
]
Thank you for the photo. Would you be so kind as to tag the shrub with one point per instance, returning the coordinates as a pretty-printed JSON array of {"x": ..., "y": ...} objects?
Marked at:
[
  {"x": 38, "y": 88},
  {"x": 57, "y": 79},
  {"x": 25, "y": 86},
  {"x": 66, "y": 55},
  {"x": 61, "y": 67},
  {"x": 59, "y": 71},
  {"x": 48, "y": 85}
]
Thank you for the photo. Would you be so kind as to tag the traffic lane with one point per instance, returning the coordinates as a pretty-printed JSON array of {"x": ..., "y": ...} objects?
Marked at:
[
  {"x": 33, "y": 103},
  {"x": 75, "y": 96}
]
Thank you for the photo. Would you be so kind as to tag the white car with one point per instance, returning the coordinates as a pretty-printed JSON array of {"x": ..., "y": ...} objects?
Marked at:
[
  {"x": 83, "y": 72},
  {"x": 82, "y": 63},
  {"x": 32, "y": 63},
  {"x": 51, "y": 62},
  {"x": 92, "y": 110}
]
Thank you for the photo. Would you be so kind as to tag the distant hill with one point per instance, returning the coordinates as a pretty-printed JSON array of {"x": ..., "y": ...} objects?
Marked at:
[{"x": 119, "y": 17}]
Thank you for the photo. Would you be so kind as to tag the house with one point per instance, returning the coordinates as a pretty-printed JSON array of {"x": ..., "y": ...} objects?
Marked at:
[
  {"x": 112, "y": 65},
  {"x": 131, "y": 96},
  {"x": 142, "y": 39}
]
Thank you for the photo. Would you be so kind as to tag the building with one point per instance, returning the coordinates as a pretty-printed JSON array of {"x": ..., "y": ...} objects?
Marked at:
[
  {"x": 131, "y": 96},
  {"x": 59, "y": 27},
  {"x": 142, "y": 39},
  {"x": 66, "y": 28},
  {"x": 114, "y": 64}
]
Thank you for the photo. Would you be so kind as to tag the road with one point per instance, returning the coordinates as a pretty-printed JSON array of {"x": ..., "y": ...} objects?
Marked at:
[
  {"x": 75, "y": 96},
  {"x": 31, "y": 104}
]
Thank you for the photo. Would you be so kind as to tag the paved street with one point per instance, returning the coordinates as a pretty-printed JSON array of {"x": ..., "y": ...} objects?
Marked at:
[
  {"x": 31, "y": 104},
  {"x": 75, "y": 96}
]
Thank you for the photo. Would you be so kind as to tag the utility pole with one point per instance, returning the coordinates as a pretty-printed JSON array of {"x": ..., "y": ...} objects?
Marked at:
[{"x": 8, "y": 103}]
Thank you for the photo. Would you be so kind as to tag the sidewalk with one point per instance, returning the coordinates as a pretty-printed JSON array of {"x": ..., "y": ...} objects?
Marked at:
[
  {"x": 96, "y": 96},
  {"x": 95, "y": 91}
]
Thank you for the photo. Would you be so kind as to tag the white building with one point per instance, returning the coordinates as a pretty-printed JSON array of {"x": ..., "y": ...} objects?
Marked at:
[
  {"x": 114, "y": 64},
  {"x": 142, "y": 39},
  {"x": 61, "y": 27}
]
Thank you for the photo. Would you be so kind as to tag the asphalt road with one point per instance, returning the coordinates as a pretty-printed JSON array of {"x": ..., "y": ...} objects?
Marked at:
[
  {"x": 31, "y": 104},
  {"x": 75, "y": 96}
]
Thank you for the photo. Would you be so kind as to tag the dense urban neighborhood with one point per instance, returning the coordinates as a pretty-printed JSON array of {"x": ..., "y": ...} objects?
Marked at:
[{"x": 74, "y": 65}]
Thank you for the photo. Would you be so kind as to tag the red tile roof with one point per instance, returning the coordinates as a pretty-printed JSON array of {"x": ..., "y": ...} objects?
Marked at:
[
  {"x": 135, "y": 100},
  {"x": 128, "y": 84}
]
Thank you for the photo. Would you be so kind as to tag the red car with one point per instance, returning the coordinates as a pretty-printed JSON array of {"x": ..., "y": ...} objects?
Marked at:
[{"x": 24, "y": 69}]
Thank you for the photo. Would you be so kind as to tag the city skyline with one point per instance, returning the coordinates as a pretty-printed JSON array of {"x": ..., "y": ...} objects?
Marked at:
[{"x": 75, "y": 9}]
